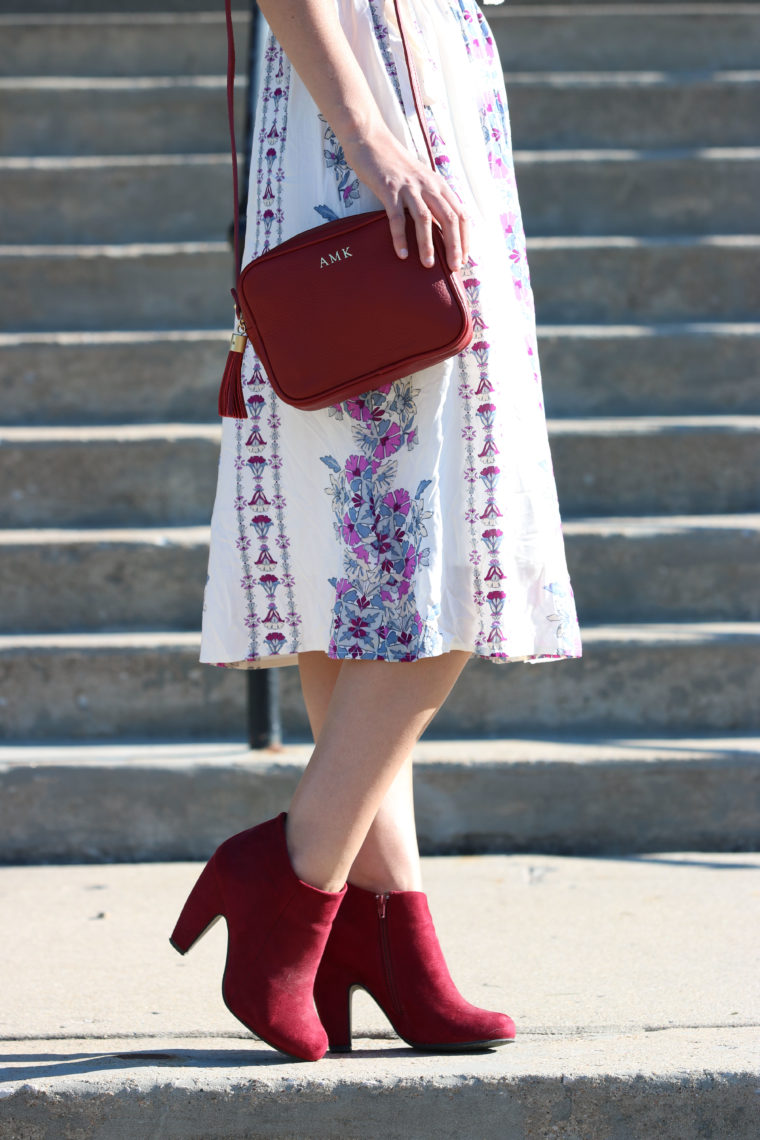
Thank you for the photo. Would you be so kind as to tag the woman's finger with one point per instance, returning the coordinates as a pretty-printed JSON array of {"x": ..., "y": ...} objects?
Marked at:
[
  {"x": 397, "y": 219},
  {"x": 448, "y": 218},
  {"x": 423, "y": 227}
]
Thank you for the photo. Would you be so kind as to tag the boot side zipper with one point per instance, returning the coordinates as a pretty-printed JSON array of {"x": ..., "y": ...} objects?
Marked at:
[{"x": 382, "y": 903}]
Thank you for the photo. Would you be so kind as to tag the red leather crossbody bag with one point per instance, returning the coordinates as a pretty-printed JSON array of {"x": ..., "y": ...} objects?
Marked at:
[{"x": 334, "y": 312}]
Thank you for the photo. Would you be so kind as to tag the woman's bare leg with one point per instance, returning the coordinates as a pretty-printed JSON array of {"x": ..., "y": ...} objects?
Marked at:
[
  {"x": 389, "y": 858},
  {"x": 377, "y": 711}
]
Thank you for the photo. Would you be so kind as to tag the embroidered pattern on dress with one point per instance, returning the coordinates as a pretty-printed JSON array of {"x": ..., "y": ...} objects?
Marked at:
[
  {"x": 481, "y": 464},
  {"x": 382, "y": 530},
  {"x": 264, "y": 512},
  {"x": 335, "y": 160},
  {"x": 381, "y": 35}
]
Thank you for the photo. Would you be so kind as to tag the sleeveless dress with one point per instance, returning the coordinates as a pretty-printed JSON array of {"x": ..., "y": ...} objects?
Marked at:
[{"x": 421, "y": 517}]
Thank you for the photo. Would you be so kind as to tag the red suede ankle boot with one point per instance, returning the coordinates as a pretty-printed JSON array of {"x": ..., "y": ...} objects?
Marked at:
[
  {"x": 387, "y": 945},
  {"x": 277, "y": 928}
]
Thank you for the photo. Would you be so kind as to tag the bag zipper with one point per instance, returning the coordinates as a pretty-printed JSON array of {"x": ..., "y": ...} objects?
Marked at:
[{"x": 382, "y": 902}]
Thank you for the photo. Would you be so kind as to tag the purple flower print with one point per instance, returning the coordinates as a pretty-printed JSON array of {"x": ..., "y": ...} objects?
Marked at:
[
  {"x": 398, "y": 502},
  {"x": 382, "y": 530},
  {"x": 389, "y": 442}
]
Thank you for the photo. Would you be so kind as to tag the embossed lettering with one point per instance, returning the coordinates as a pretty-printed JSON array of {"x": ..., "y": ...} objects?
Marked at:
[{"x": 339, "y": 255}]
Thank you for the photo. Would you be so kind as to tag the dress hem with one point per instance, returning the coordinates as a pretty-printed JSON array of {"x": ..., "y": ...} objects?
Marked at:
[{"x": 292, "y": 659}]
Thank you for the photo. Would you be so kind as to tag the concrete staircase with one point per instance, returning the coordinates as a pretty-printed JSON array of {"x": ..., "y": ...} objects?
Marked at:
[{"x": 639, "y": 176}]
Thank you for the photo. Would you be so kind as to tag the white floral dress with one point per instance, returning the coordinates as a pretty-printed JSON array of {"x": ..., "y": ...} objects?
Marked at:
[{"x": 421, "y": 517}]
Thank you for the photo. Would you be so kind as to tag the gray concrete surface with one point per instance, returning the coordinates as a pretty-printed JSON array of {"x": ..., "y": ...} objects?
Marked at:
[
  {"x": 626, "y": 569},
  {"x": 628, "y": 108},
  {"x": 604, "y": 191},
  {"x": 138, "y": 287},
  {"x": 613, "y": 191},
  {"x": 628, "y": 279},
  {"x": 151, "y": 474},
  {"x": 159, "y": 802},
  {"x": 607, "y": 370},
  {"x": 634, "y": 984},
  {"x": 145, "y": 44},
  {"x": 60, "y": 200},
  {"x": 722, "y": 35},
  {"x": 165, "y": 376},
  {"x": 650, "y": 36},
  {"x": 650, "y": 369},
  {"x": 657, "y": 678}
]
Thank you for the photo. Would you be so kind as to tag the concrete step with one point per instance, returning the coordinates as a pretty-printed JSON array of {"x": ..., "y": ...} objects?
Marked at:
[
  {"x": 130, "y": 199},
  {"x": 158, "y": 474},
  {"x": 136, "y": 287},
  {"x": 677, "y": 677},
  {"x": 152, "y": 377},
  {"x": 109, "y": 476},
  {"x": 647, "y": 465},
  {"x": 641, "y": 1020},
  {"x": 577, "y": 280},
  {"x": 633, "y": 109},
  {"x": 125, "y": 199},
  {"x": 595, "y": 370},
  {"x": 603, "y": 37},
  {"x": 630, "y": 279},
  {"x": 137, "y": 578},
  {"x": 100, "y": 7},
  {"x": 582, "y": 36},
  {"x": 705, "y": 190},
  {"x": 698, "y": 568},
  {"x": 143, "y": 44},
  {"x": 642, "y": 369},
  {"x": 56, "y": 115},
  {"x": 581, "y": 795}
]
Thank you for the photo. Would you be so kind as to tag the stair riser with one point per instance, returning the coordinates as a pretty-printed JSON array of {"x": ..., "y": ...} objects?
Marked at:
[
  {"x": 167, "y": 694},
  {"x": 184, "y": 202},
  {"x": 191, "y": 203},
  {"x": 190, "y": 290},
  {"x": 660, "y": 374},
  {"x": 108, "y": 585},
  {"x": 699, "y": 575},
  {"x": 667, "y": 282},
  {"x": 640, "y": 196},
  {"x": 163, "y": 379},
  {"x": 192, "y": 118},
  {"x": 631, "y": 114},
  {"x": 707, "y": 575},
  {"x": 666, "y": 472},
  {"x": 51, "y": 813},
  {"x": 593, "y": 41},
  {"x": 120, "y": 483},
  {"x": 179, "y": 290},
  {"x": 155, "y": 482},
  {"x": 608, "y": 41},
  {"x": 177, "y": 380},
  {"x": 123, "y": 46}
]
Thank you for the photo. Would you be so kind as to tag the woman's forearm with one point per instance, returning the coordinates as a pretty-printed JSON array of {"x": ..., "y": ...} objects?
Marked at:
[{"x": 311, "y": 35}]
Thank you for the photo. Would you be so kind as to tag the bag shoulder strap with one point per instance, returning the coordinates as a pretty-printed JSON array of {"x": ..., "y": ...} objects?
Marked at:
[{"x": 416, "y": 95}]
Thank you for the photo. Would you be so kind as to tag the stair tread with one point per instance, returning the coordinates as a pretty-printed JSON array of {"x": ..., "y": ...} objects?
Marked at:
[
  {"x": 571, "y": 748},
  {"x": 641, "y": 633},
  {"x": 567, "y": 425},
  {"x": 192, "y": 535}
]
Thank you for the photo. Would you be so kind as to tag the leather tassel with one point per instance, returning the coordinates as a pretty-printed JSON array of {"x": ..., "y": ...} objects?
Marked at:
[{"x": 231, "y": 401}]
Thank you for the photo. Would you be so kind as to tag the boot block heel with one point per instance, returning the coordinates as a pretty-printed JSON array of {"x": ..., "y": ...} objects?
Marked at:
[
  {"x": 332, "y": 997},
  {"x": 203, "y": 908}
]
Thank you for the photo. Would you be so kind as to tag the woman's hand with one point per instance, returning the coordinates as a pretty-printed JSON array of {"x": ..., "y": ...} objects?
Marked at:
[{"x": 402, "y": 182}]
